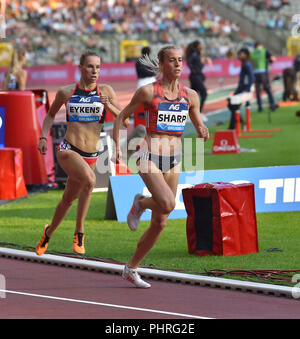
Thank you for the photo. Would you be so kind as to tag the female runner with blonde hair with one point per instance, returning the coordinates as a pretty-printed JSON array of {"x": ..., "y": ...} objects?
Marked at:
[
  {"x": 16, "y": 76},
  {"x": 86, "y": 103},
  {"x": 167, "y": 104}
]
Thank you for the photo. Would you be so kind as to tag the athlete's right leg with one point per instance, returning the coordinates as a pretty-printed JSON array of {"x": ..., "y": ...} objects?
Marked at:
[
  {"x": 159, "y": 185},
  {"x": 145, "y": 244},
  {"x": 80, "y": 178},
  {"x": 149, "y": 238},
  {"x": 69, "y": 195}
]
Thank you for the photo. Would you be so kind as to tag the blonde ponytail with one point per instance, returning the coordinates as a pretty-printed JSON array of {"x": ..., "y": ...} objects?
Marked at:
[
  {"x": 153, "y": 65},
  {"x": 150, "y": 64}
]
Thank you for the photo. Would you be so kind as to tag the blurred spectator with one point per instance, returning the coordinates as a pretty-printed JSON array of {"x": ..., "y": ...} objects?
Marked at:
[
  {"x": 289, "y": 81},
  {"x": 16, "y": 76},
  {"x": 297, "y": 73},
  {"x": 260, "y": 66},
  {"x": 45, "y": 26},
  {"x": 273, "y": 14},
  {"x": 246, "y": 80},
  {"x": 267, "y": 4},
  {"x": 230, "y": 54},
  {"x": 297, "y": 63},
  {"x": 196, "y": 62}
]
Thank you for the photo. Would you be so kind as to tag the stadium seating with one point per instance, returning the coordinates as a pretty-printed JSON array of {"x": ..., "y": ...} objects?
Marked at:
[
  {"x": 273, "y": 14},
  {"x": 58, "y": 31}
]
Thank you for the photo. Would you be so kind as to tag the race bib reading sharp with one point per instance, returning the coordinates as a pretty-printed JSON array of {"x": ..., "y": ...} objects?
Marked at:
[
  {"x": 85, "y": 108},
  {"x": 171, "y": 117}
]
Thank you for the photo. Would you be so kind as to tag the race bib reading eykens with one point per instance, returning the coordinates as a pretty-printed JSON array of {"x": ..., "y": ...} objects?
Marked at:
[
  {"x": 171, "y": 117},
  {"x": 85, "y": 109}
]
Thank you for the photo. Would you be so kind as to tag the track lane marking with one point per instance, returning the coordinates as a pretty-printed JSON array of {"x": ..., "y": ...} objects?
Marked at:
[{"x": 105, "y": 304}]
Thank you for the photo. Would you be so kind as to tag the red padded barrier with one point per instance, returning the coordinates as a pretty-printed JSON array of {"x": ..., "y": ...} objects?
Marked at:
[
  {"x": 23, "y": 130},
  {"x": 12, "y": 184},
  {"x": 221, "y": 219},
  {"x": 42, "y": 105}
]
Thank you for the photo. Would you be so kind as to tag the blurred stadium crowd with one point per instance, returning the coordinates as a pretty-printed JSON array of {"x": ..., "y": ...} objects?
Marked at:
[
  {"x": 56, "y": 31},
  {"x": 272, "y": 14}
]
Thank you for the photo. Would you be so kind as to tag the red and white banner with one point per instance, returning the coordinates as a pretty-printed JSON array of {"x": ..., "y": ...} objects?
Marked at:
[{"x": 68, "y": 73}]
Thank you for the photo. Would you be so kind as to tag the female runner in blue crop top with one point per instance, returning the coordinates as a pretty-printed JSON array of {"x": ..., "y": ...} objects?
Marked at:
[{"x": 86, "y": 103}]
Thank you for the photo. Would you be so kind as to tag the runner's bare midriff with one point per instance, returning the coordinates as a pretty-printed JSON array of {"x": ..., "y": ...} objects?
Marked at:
[
  {"x": 163, "y": 144},
  {"x": 84, "y": 135}
]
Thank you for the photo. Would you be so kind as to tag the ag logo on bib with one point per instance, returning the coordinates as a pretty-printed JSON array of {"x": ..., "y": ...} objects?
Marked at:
[{"x": 174, "y": 107}]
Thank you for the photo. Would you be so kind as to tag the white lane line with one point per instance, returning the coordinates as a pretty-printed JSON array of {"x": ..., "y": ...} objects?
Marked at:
[{"x": 105, "y": 305}]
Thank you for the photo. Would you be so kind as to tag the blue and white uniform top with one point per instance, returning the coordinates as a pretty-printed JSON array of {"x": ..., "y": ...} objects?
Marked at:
[
  {"x": 13, "y": 83},
  {"x": 85, "y": 106}
]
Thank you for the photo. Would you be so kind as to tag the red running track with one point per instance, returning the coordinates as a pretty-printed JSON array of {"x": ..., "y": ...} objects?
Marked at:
[
  {"x": 48, "y": 291},
  {"x": 45, "y": 291}
]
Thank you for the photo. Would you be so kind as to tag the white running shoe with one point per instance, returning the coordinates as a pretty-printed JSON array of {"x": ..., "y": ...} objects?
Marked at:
[
  {"x": 134, "y": 215},
  {"x": 131, "y": 275}
]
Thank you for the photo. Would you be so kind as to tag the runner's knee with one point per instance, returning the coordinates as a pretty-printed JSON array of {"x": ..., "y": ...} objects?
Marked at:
[
  {"x": 167, "y": 204},
  {"x": 89, "y": 182},
  {"x": 159, "y": 223}
]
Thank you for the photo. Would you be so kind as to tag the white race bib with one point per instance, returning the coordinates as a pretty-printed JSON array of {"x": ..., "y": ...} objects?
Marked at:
[{"x": 172, "y": 117}]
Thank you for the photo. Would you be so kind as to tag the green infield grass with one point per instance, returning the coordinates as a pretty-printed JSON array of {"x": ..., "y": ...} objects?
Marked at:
[{"x": 22, "y": 221}]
